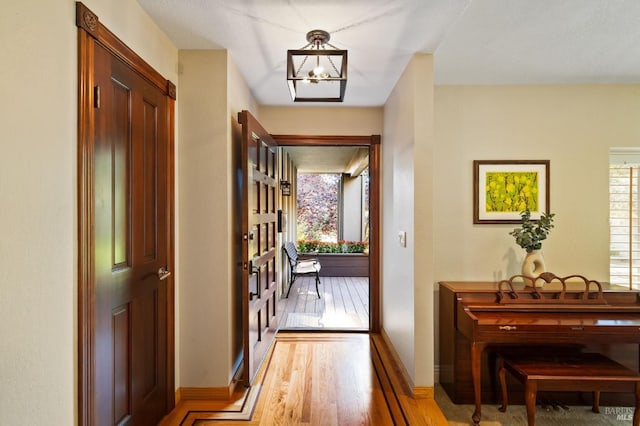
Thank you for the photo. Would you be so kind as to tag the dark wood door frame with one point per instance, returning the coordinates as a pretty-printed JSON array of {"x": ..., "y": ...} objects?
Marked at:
[
  {"x": 373, "y": 142},
  {"x": 91, "y": 31}
]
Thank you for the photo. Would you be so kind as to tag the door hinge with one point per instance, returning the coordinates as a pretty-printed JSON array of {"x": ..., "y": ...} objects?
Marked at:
[{"x": 96, "y": 97}]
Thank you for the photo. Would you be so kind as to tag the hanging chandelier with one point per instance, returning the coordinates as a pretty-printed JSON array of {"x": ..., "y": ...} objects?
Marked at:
[{"x": 318, "y": 71}]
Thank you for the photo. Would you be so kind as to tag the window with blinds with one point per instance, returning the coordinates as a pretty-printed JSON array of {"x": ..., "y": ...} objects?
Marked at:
[{"x": 624, "y": 206}]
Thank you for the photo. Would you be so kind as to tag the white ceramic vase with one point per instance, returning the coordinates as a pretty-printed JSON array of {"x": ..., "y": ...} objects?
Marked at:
[{"x": 533, "y": 266}]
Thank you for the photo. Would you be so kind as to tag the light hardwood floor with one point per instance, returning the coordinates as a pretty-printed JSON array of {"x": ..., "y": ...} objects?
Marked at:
[
  {"x": 320, "y": 379},
  {"x": 343, "y": 304}
]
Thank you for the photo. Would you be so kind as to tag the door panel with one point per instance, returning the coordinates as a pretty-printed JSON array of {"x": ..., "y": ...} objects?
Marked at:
[
  {"x": 259, "y": 278},
  {"x": 120, "y": 174},
  {"x": 121, "y": 339}
]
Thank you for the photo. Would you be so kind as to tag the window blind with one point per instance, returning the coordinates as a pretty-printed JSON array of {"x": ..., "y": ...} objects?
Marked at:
[{"x": 624, "y": 206}]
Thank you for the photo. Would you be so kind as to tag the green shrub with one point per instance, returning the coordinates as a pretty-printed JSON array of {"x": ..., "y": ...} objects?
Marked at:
[{"x": 342, "y": 246}]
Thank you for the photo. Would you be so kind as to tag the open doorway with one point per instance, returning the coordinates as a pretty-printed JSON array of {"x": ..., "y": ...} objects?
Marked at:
[{"x": 328, "y": 212}]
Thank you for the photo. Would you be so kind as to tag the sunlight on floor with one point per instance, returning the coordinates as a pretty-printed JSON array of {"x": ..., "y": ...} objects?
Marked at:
[{"x": 343, "y": 305}]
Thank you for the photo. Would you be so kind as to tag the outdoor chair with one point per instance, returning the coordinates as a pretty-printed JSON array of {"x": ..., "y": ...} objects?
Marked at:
[{"x": 304, "y": 264}]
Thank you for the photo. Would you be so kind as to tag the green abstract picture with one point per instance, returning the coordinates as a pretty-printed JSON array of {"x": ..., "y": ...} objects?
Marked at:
[{"x": 511, "y": 191}]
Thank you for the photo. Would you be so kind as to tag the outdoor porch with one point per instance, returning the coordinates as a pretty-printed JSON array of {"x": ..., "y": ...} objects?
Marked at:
[{"x": 343, "y": 305}]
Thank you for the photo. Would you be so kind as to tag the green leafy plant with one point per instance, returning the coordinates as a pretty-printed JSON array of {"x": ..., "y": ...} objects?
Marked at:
[
  {"x": 308, "y": 246},
  {"x": 342, "y": 246},
  {"x": 353, "y": 246},
  {"x": 532, "y": 233}
]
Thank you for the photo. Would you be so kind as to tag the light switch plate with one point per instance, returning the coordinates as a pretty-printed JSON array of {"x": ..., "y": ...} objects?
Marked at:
[{"x": 402, "y": 238}]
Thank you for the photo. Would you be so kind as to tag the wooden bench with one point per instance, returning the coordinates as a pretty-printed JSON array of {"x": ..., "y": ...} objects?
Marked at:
[{"x": 575, "y": 371}]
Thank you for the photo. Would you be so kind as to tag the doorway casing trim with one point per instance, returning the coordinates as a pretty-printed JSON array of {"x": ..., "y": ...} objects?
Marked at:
[{"x": 373, "y": 142}]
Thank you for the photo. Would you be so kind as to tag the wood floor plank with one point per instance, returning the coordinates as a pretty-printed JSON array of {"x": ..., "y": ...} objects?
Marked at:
[
  {"x": 361, "y": 310},
  {"x": 344, "y": 304},
  {"x": 323, "y": 379},
  {"x": 347, "y": 304},
  {"x": 362, "y": 288},
  {"x": 327, "y": 410},
  {"x": 352, "y": 305},
  {"x": 330, "y": 302}
]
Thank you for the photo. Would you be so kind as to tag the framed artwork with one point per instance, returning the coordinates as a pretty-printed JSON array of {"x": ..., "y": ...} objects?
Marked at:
[{"x": 504, "y": 188}]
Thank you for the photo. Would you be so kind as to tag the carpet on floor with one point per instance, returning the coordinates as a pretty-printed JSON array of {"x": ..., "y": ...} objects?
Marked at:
[{"x": 516, "y": 415}]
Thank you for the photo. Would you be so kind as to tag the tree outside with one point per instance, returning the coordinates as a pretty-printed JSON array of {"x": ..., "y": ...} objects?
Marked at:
[{"x": 317, "y": 202}]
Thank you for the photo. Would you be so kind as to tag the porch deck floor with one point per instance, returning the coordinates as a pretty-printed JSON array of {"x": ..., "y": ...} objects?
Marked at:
[{"x": 343, "y": 304}]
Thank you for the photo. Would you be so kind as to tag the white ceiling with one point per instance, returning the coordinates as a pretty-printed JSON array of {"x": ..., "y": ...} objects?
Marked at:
[
  {"x": 542, "y": 41},
  {"x": 328, "y": 159},
  {"x": 473, "y": 41}
]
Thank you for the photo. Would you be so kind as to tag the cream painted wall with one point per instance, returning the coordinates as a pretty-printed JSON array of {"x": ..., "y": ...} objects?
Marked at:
[
  {"x": 574, "y": 127},
  {"x": 212, "y": 93},
  {"x": 398, "y": 216},
  {"x": 203, "y": 271},
  {"x": 131, "y": 24},
  {"x": 321, "y": 121},
  {"x": 407, "y": 158},
  {"x": 423, "y": 259},
  {"x": 38, "y": 188}
]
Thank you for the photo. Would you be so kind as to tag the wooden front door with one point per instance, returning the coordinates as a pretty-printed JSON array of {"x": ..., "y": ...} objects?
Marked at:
[
  {"x": 126, "y": 301},
  {"x": 259, "y": 232}
]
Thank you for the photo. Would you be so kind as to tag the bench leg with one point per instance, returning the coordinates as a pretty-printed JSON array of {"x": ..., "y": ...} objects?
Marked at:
[
  {"x": 317, "y": 282},
  {"x": 596, "y": 402},
  {"x": 293, "y": 279},
  {"x": 530, "y": 390},
  {"x": 503, "y": 385}
]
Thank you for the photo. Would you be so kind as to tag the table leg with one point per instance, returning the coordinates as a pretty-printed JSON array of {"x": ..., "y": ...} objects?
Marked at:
[
  {"x": 636, "y": 413},
  {"x": 595, "y": 407},
  {"x": 476, "y": 371},
  {"x": 503, "y": 385},
  {"x": 530, "y": 390}
]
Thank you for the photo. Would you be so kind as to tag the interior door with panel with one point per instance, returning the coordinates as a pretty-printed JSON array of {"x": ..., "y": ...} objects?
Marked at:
[
  {"x": 131, "y": 247},
  {"x": 125, "y": 300},
  {"x": 259, "y": 235}
]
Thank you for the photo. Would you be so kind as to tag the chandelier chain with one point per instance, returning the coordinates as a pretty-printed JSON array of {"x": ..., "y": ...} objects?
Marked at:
[
  {"x": 301, "y": 65},
  {"x": 334, "y": 66}
]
